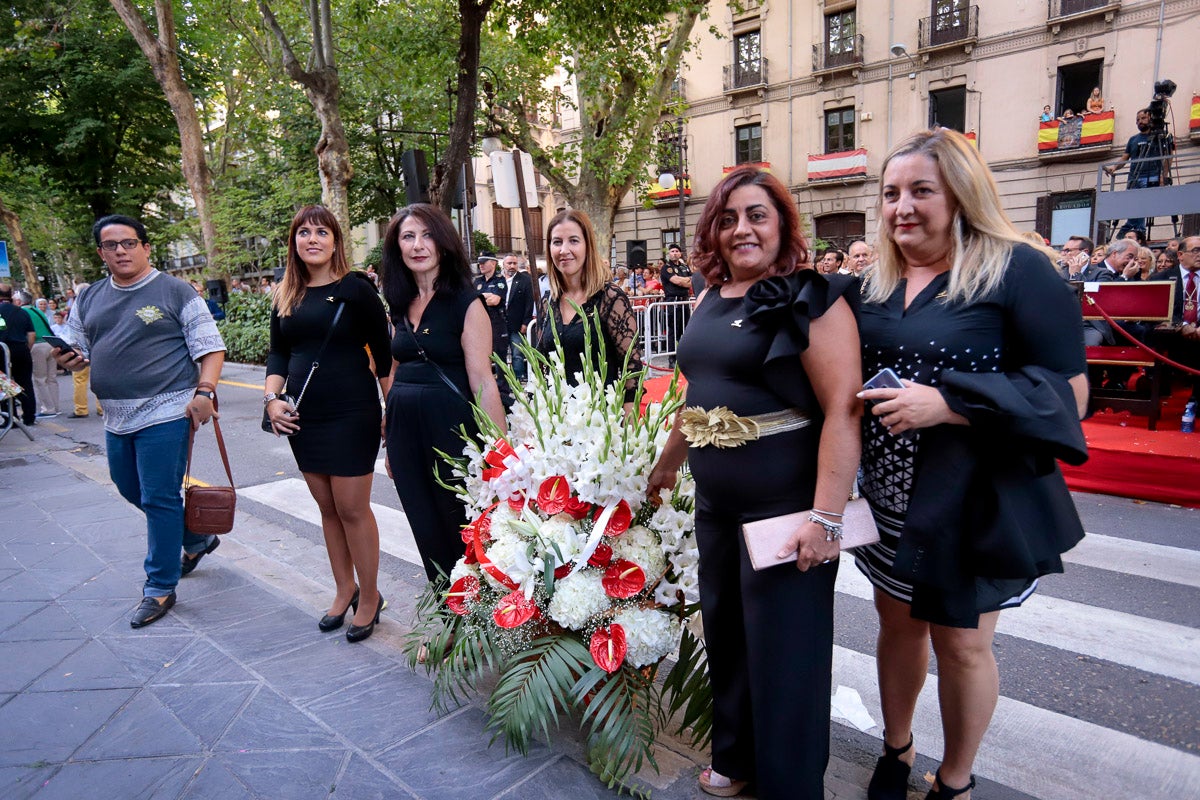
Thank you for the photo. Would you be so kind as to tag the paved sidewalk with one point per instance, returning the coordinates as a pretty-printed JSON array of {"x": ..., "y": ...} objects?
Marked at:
[{"x": 235, "y": 693}]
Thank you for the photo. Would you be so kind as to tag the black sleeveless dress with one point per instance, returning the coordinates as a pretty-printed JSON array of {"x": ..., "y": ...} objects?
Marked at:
[{"x": 340, "y": 412}]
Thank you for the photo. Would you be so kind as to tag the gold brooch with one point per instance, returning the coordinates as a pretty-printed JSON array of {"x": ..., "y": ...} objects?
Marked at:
[{"x": 718, "y": 427}]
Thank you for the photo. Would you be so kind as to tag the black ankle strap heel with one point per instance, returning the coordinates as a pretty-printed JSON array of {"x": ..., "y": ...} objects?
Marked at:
[
  {"x": 941, "y": 791},
  {"x": 890, "y": 779}
]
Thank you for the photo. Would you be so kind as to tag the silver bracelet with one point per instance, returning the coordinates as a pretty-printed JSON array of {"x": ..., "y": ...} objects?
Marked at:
[
  {"x": 833, "y": 530},
  {"x": 829, "y": 513}
]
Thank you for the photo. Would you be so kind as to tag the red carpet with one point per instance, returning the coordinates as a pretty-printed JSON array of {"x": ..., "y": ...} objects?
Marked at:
[{"x": 1125, "y": 459}]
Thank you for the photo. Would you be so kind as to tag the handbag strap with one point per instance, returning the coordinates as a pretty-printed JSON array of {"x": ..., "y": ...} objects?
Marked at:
[
  {"x": 341, "y": 304},
  {"x": 425, "y": 357},
  {"x": 220, "y": 445}
]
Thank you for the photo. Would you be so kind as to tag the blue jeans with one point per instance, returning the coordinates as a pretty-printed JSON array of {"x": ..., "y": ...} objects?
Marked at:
[
  {"x": 1139, "y": 224},
  {"x": 147, "y": 467},
  {"x": 518, "y": 359}
]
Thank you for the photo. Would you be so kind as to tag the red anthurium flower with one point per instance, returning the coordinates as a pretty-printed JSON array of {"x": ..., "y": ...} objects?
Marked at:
[
  {"x": 623, "y": 579},
  {"x": 601, "y": 556},
  {"x": 469, "y": 555},
  {"x": 513, "y": 610},
  {"x": 463, "y": 591},
  {"x": 483, "y": 524},
  {"x": 620, "y": 520},
  {"x": 608, "y": 648},
  {"x": 562, "y": 572},
  {"x": 553, "y": 494},
  {"x": 517, "y": 501},
  {"x": 577, "y": 508}
]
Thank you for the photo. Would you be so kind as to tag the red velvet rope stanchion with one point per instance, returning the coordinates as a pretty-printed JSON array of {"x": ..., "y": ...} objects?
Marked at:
[{"x": 1153, "y": 353}]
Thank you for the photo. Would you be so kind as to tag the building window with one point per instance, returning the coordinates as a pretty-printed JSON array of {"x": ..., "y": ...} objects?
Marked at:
[
  {"x": 670, "y": 236},
  {"x": 747, "y": 59},
  {"x": 839, "y": 130},
  {"x": 1075, "y": 83},
  {"x": 948, "y": 108},
  {"x": 502, "y": 228},
  {"x": 839, "y": 38},
  {"x": 748, "y": 149}
]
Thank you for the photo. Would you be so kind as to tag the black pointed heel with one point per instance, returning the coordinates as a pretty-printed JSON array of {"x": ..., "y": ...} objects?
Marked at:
[
  {"x": 941, "y": 791},
  {"x": 356, "y": 633},
  {"x": 331, "y": 622},
  {"x": 890, "y": 779}
]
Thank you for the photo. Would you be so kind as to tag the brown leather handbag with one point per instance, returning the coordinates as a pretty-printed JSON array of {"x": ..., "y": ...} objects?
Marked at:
[{"x": 208, "y": 509}]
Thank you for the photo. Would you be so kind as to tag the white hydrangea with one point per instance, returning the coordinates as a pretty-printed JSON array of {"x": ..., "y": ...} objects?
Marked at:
[
  {"x": 649, "y": 634},
  {"x": 641, "y": 546},
  {"x": 577, "y": 598},
  {"x": 463, "y": 569}
]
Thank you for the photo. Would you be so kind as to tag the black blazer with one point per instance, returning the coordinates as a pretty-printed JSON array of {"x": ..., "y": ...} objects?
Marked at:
[
  {"x": 1174, "y": 273},
  {"x": 519, "y": 309}
]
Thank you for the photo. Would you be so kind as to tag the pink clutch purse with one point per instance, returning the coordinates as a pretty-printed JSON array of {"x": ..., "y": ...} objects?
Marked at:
[{"x": 765, "y": 538}]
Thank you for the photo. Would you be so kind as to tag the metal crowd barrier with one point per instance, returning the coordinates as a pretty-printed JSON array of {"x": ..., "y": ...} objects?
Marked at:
[{"x": 660, "y": 324}]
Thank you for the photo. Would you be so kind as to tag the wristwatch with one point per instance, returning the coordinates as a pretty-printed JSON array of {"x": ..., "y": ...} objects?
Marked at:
[
  {"x": 205, "y": 393},
  {"x": 269, "y": 396}
]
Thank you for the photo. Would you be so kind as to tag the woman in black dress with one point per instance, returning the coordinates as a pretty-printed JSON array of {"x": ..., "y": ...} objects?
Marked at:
[
  {"x": 772, "y": 341},
  {"x": 959, "y": 465},
  {"x": 441, "y": 359},
  {"x": 580, "y": 278},
  {"x": 335, "y": 436}
]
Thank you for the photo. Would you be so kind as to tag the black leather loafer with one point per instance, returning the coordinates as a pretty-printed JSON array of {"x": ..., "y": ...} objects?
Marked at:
[
  {"x": 150, "y": 610},
  {"x": 188, "y": 564}
]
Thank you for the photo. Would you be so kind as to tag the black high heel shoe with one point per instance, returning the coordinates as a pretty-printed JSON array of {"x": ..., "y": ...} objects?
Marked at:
[
  {"x": 941, "y": 791},
  {"x": 331, "y": 622},
  {"x": 890, "y": 779},
  {"x": 356, "y": 633}
]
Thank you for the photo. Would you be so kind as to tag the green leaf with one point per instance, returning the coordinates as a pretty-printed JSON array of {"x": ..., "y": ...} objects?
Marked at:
[{"x": 535, "y": 688}]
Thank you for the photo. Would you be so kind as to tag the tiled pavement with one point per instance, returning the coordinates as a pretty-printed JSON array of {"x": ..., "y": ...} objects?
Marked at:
[{"x": 234, "y": 694}]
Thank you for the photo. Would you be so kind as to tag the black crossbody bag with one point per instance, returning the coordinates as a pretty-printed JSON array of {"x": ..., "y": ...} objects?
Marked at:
[{"x": 295, "y": 403}]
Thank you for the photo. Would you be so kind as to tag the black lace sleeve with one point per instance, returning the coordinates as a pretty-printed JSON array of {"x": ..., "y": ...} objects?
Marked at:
[{"x": 620, "y": 324}]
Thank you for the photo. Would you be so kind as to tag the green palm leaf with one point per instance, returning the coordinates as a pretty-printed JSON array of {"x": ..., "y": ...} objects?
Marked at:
[
  {"x": 619, "y": 716},
  {"x": 534, "y": 688},
  {"x": 687, "y": 688}
]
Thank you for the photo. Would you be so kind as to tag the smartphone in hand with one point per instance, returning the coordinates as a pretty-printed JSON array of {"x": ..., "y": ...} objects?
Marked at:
[
  {"x": 64, "y": 347},
  {"x": 886, "y": 378}
]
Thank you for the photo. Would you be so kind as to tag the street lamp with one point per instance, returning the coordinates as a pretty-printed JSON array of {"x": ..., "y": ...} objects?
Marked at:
[{"x": 668, "y": 180}]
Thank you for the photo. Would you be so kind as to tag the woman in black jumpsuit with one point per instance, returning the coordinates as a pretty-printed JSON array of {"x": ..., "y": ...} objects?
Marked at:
[
  {"x": 440, "y": 353},
  {"x": 335, "y": 436},
  {"x": 769, "y": 337}
]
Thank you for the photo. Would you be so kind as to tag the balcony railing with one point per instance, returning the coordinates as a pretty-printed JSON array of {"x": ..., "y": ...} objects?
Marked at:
[
  {"x": 1078, "y": 134},
  {"x": 745, "y": 75},
  {"x": 846, "y": 55},
  {"x": 1059, "y": 9},
  {"x": 956, "y": 27}
]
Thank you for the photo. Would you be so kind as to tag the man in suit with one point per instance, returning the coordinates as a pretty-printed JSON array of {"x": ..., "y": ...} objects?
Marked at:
[
  {"x": 1181, "y": 338},
  {"x": 1076, "y": 263},
  {"x": 518, "y": 310}
]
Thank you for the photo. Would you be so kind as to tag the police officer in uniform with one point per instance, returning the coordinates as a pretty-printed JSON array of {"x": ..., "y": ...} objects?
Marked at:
[
  {"x": 493, "y": 288},
  {"x": 676, "y": 279}
]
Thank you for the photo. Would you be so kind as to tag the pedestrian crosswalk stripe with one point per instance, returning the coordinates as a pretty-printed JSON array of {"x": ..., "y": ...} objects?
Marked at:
[
  {"x": 1163, "y": 648},
  {"x": 1144, "y": 559},
  {"x": 291, "y": 496},
  {"x": 1040, "y": 752}
]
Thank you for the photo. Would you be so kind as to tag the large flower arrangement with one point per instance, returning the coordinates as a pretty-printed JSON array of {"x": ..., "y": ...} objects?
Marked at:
[{"x": 574, "y": 586}]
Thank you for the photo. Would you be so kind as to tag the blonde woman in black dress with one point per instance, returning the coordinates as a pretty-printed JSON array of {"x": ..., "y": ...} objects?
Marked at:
[{"x": 336, "y": 434}]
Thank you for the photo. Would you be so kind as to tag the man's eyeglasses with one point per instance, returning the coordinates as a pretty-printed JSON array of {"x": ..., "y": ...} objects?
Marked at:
[
  {"x": 1071, "y": 249},
  {"x": 124, "y": 244},
  {"x": 1193, "y": 250}
]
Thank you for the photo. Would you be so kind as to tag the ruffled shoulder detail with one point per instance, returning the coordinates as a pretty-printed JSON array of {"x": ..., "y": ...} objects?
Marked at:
[{"x": 784, "y": 306}]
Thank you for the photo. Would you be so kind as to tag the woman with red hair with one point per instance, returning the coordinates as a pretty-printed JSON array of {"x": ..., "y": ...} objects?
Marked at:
[{"x": 771, "y": 348}]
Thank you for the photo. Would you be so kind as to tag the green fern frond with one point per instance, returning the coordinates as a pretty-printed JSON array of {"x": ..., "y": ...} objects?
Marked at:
[{"x": 535, "y": 688}]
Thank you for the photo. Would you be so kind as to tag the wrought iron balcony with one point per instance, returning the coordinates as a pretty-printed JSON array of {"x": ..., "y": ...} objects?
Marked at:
[
  {"x": 744, "y": 75},
  {"x": 846, "y": 55},
  {"x": 956, "y": 27}
]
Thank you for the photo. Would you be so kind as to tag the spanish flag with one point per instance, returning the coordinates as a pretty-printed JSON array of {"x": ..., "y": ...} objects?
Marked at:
[
  {"x": 1194, "y": 120},
  {"x": 1097, "y": 129}
]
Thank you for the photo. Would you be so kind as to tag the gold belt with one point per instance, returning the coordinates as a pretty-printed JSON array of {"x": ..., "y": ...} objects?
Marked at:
[{"x": 720, "y": 427}]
